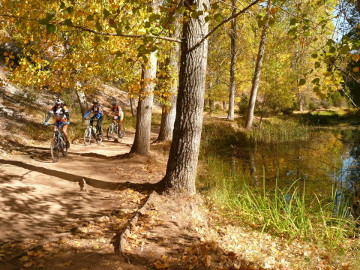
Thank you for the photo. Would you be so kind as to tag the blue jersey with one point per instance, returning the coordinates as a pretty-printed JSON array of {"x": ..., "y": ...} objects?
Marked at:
[{"x": 96, "y": 109}]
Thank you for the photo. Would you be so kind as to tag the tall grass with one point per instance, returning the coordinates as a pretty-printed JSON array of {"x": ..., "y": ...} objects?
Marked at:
[
  {"x": 284, "y": 131},
  {"x": 289, "y": 212}
]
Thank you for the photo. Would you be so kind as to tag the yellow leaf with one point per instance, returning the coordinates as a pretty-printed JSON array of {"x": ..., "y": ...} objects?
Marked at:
[
  {"x": 67, "y": 263},
  {"x": 207, "y": 260},
  {"x": 356, "y": 69},
  {"x": 274, "y": 10},
  {"x": 161, "y": 265},
  {"x": 26, "y": 265},
  {"x": 355, "y": 57}
]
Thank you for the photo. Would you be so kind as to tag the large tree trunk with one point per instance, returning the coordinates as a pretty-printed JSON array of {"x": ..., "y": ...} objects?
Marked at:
[
  {"x": 142, "y": 138},
  {"x": 256, "y": 78},
  {"x": 233, "y": 35},
  {"x": 169, "y": 112},
  {"x": 183, "y": 157}
]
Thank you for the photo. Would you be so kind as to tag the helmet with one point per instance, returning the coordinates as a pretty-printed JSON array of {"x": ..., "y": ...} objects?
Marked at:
[
  {"x": 95, "y": 101},
  {"x": 58, "y": 101},
  {"x": 114, "y": 103}
]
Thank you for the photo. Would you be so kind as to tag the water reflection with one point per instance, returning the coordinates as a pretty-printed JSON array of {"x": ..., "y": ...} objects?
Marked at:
[
  {"x": 348, "y": 184},
  {"x": 328, "y": 158}
]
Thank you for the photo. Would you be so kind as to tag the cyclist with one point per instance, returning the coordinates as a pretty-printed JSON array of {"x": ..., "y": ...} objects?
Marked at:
[
  {"x": 117, "y": 113},
  {"x": 97, "y": 110},
  {"x": 62, "y": 118}
]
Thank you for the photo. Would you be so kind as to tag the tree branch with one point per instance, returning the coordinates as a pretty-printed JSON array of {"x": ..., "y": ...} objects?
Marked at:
[
  {"x": 125, "y": 35},
  {"x": 82, "y": 28},
  {"x": 223, "y": 22},
  {"x": 342, "y": 89}
]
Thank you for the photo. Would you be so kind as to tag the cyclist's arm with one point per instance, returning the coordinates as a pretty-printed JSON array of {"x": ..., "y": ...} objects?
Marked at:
[
  {"x": 50, "y": 113},
  {"x": 88, "y": 112},
  {"x": 66, "y": 112}
]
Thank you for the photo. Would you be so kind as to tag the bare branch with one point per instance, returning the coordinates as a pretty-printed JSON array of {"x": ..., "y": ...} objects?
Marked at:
[
  {"x": 223, "y": 22},
  {"x": 82, "y": 28}
]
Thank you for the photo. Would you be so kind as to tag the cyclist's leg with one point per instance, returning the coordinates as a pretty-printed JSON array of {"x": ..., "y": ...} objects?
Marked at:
[
  {"x": 92, "y": 119},
  {"x": 98, "y": 125},
  {"x": 120, "y": 119},
  {"x": 64, "y": 130}
]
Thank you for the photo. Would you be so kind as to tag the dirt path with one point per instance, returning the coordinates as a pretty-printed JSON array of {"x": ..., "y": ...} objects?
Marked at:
[{"x": 45, "y": 212}]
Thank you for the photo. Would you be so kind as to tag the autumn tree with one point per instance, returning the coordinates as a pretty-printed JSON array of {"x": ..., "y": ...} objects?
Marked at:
[
  {"x": 233, "y": 53},
  {"x": 171, "y": 85},
  {"x": 257, "y": 72}
]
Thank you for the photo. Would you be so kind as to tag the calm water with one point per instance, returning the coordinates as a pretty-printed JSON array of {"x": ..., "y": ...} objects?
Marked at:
[{"x": 329, "y": 161}]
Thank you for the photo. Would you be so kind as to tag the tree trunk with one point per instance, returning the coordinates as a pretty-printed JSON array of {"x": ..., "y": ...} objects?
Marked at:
[
  {"x": 211, "y": 98},
  {"x": 183, "y": 157},
  {"x": 256, "y": 78},
  {"x": 142, "y": 138},
  {"x": 133, "y": 107},
  {"x": 233, "y": 35},
  {"x": 169, "y": 112},
  {"x": 81, "y": 98}
]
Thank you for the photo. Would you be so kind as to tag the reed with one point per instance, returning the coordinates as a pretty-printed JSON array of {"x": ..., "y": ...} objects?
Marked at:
[
  {"x": 279, "y": 132},
  {"x": 288, "y": 212}
]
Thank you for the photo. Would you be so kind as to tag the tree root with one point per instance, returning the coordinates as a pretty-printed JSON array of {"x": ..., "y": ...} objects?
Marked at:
[{"x": 120, "y": 241}]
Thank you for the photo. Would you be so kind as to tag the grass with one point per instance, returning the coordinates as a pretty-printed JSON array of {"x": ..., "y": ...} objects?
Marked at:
[
  {"x": 290, "y": 212},
  {"x": 279, "y": 132},
  {"x": 332, "y": 117}
]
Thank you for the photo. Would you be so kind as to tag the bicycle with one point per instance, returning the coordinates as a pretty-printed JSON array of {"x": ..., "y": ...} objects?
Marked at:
[
  {"x": 58, "y": 143},
  {"x": 113, "y": 131},
  {"x": 90, "y": 133}
]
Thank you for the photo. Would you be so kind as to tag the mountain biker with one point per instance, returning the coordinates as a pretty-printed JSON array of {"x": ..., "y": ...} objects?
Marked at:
[
  {"x": 97, "y": 110},
  {"x": 117, "y": 113},
  {"x": 62, "y": 118}
]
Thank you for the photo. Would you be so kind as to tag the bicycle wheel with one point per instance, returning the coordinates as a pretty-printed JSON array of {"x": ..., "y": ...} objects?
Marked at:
[
  {"x": 110, "y": 133},
  {"x": 54, "y": 149},
  {"x": 98, "y": 138},
  {"x": 87, "y": 136}
]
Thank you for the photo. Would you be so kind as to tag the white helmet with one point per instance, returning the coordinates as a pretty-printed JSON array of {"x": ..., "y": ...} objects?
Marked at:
[{"x": 58, "y": 101}]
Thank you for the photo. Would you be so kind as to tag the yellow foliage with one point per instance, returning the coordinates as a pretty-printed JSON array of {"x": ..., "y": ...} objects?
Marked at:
[{"x": 355, "y": 57}]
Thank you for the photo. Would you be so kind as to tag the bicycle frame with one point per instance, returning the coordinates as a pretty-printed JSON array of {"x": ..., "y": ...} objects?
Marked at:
[
  {"x": 57, "y": 143},
  {"x": 91, "y": 132}
]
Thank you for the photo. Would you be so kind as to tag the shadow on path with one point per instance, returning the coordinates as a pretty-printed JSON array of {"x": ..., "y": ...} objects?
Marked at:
[{"x": 76, "y": 178}]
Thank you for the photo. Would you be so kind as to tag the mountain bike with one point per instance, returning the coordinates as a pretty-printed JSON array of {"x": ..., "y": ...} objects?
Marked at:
[
  {"x": 58, "y": 143},
  {"x": 91, "y": 133},
  {"x": 114, "y": 132}
]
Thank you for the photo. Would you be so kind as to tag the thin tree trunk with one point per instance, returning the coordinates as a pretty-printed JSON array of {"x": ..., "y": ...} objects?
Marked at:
[
  {"x": 169, "y": 112},
  {"x": 82, "y": 99},
  {"x": 142, "y": 138},
  {"x": 183, "y": 157},
  {"x": 256, "y": 78},
  {"x": 133, "y": 107},
  {"x": 210, "y": 98},
  {"x": 233, "y": 35}
]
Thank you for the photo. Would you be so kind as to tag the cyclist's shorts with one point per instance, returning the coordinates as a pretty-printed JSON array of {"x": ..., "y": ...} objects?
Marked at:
[
  {"x": 96, "y": 116},
  {"x": 60, "y": 123},
  {"x": 119, "y": 117}
]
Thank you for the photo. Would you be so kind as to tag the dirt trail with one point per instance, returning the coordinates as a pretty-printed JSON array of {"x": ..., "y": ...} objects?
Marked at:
[{"x": 42, "y": 201}]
